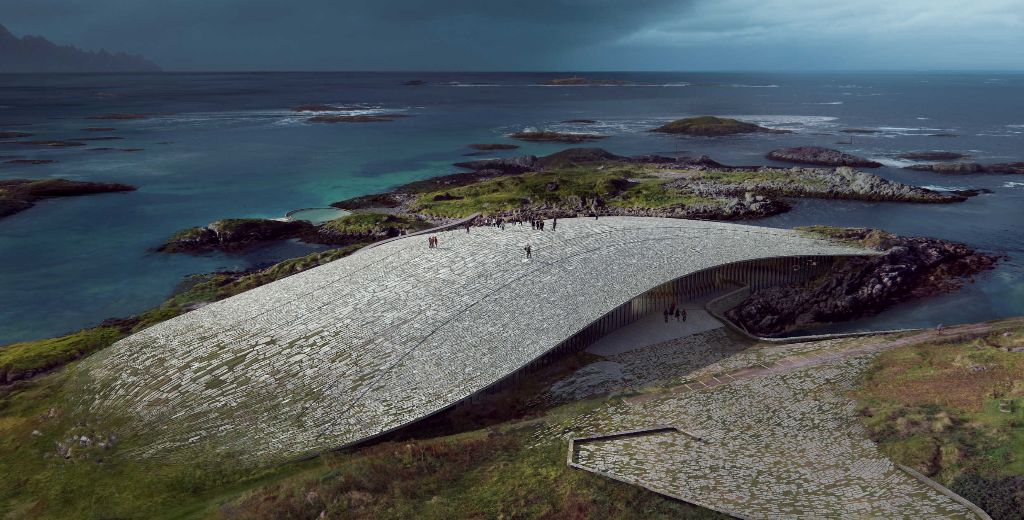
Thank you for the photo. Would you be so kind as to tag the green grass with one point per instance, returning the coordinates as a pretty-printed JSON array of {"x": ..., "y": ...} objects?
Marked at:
[
  {"x": 570, "y": 188},
  {"x": 935, "y": 407},
  {"x": 22, "y": 360}
]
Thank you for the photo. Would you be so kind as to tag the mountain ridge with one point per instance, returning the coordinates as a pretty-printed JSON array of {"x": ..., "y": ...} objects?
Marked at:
[{"x": 37, "y": 54}]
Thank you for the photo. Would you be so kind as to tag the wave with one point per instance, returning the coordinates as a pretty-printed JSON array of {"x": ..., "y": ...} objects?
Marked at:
[
  {"x": 893, "y": 162},
  {"x": 1015, "y": 126},
  {"x": 826, "y": 103},
  {"x": 1012, "y": 184},
  {"x": 935, "y": 187},
  {"x": 741, "y": 85}
]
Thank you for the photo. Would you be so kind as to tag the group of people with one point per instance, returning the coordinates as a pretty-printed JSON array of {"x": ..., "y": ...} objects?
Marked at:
[
  {"x": 432, "y": 241},
  {"x": 673, "y": 310},
  {"x": 535, "y": 223}
]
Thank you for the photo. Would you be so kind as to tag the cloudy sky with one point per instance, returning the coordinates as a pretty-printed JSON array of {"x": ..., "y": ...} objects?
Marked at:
[{"x": 538, "y": 34}]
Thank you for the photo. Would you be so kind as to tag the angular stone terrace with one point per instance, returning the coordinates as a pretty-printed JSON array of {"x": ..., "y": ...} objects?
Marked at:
[{"x": 374, "y": 341}]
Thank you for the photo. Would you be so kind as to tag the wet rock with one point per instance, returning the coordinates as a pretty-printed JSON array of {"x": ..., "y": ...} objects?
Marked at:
[
  {"x": 555, "y": 137},
  {"x": 362, "y": 118},
  {"x": 14, "y": 135},
  {"x": 1014, "y": 168},
  {"x": 234, "y": 234},
  {"x": 933, "y": 155},
  {"x": 119, "y": 116},
  {"x": 821, "y": 157},
  {"x": 494, "y": 146},
  {"x": 20, "y": 194},
  {"x": 910, "y": 267}
]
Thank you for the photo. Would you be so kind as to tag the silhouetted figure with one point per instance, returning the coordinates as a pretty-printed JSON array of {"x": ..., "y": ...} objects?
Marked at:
[
  {"x": 554, "y": 223},
  {"x": 683, "y": 311},
  {"x": 666, "y": 315},
  {"x": 529, "y": 251}
]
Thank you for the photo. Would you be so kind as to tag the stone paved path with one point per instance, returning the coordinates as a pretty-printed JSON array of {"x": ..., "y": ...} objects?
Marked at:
[
  {"x": 388, "y": 335},
  {"x": 769, "y": 433}
]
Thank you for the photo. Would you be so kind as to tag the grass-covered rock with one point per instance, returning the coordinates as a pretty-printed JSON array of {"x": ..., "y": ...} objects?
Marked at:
[{"x": 711, "y": 126}]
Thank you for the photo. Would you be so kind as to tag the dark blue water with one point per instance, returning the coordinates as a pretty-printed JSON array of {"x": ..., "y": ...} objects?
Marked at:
[{"x": 226, "y": 145}]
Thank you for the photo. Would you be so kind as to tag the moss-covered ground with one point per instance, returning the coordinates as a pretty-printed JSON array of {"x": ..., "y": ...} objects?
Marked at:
[{"x": 955, "y": 412}]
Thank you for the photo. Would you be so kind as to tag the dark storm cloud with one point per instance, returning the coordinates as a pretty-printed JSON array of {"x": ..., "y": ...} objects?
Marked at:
[{"x": 537, "y": 34}]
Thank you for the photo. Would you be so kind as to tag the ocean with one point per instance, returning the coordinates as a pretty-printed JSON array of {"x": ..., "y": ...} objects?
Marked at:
[{"x": 217, "y": 145}]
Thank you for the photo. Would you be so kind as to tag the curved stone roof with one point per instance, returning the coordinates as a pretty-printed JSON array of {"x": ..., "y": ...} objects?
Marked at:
[{"x": 391, "y": 334}]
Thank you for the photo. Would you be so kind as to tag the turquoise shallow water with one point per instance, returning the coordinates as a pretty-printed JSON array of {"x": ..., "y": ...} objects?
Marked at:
[{"x": 227, "y": 145}]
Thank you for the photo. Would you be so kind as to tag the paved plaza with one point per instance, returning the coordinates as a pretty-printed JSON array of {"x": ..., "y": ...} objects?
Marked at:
[
  {"x": 766, "y": 432},
  {"x": 368, "y": 343}
]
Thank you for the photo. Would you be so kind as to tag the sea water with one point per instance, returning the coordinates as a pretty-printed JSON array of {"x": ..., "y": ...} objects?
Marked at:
[{"x": 219, "y": 145}]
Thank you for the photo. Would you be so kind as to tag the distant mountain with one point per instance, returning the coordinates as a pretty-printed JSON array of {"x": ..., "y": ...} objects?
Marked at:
[{"x": 37, "y": 54}]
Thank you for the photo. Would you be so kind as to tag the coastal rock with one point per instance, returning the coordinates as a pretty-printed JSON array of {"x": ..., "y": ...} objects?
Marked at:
[
  {"x": 51, "y": 144},
  {"x": 574, "y": 156},
  {"x": 363, "y": 227},
  {"x": 821, "y": 157},
  {"x": 98, "y": 129},
  {"x": 119, "y": 116},
  {"x": 711, "y": 126},
  {"x": 970, "y": 167},
  {"x": 235, "y": 233},
  {"x": 909, "y": 267},
  {"x": 579, "y": 121},
  {"x": 555, "y": 137},
  {"x": 933, "y": 155},
  {"x": 511, "y": 165},
  {"x": 315, "y": 107},
  {"x": 493, "y": 146},
  {"x": 30, "y": 161},
  {"x": 19, "y": 194},
  {"x": 362, "y": 118},
  {"x": 860, "y": 131},
  {"x": 377, "y": 200},
  {"x": 14, "y": 135},
  {"x": 414, "y": 83}
]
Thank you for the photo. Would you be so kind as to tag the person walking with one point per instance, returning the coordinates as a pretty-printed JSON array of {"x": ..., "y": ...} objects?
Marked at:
[
  {"x": 529, "y": 251},
  {"x": 684, "y": 315},
  {"x": 430, "y": 242},
  {"x": 666, "y": 315},
  {"x": 554, "y": 223},
  {"x": 678, "y": 314}
]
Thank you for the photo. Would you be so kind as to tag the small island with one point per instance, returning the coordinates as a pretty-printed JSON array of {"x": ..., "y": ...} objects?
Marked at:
[
  {"x": 17, "y": 195},
  {"x": 711, "y": 126},
  {"x": 1014, "y": 168},
  {"x": 555, "y": 137},
  {"x": 361, "y": 118},
  {"x": 821, "y": 157},
  {"x": 239, "y": 234},
  {"x": 493, "y": 146}
]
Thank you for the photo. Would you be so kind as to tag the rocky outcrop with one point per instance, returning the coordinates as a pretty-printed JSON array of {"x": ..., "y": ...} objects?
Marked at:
[
  {"x": 843, "y": 183},
  {"x": 362, "y": 118},
  {"x": 511, "y": 165},
  {"x": 119, "y": 116},
  {"x": 493, "y": 146},
  {"x": 933, "y": 155},
  {"x": 20, "y": 194},
  {"x": 575, "y": 156},
  {"x": 235, "y": 233},
  {"x": 14, "y": 135},
  {"x": 908, "y": 268},
  {"x": 555, "y": 137},
  {"x": 970, "y": 167},
  {"x": 821, "y": 157},
  {"x": 711, "y": 126}
]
